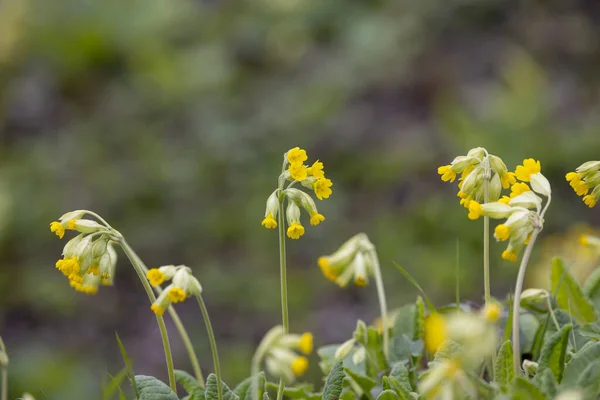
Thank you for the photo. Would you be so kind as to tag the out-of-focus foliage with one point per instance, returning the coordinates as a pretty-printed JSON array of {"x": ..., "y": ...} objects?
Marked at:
[{"x": 169, "y": 118}]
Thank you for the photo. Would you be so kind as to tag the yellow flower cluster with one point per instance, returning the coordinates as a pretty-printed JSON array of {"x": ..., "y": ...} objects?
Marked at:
[
  {"x": 277, "y": 349},
  {"x": 353, "y": 261},
  {"x": 312, "y": 177},
  {"x": 183, "y": 285},
  {"x": 585, "y": 181},
  {"x": 88, "y": 261}
]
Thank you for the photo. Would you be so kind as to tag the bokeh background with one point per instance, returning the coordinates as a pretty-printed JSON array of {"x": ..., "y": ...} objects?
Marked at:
[{"x": 169, "y": 118}]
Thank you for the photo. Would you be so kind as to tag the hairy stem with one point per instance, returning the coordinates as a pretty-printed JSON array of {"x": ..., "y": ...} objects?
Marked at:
[
  {"x": 517, "y": 300},
  {"x": 213, "y": 344},
  {"x": 4, "y": 395},
  {"x": 382, "y": 304},
  {"x": 283, "y": 273},
  {"x": 486, "y": 260},
  {"x": 137, "y": 265}
]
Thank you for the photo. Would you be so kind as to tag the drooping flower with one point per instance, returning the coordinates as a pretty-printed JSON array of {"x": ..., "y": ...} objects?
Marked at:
[
  {"x": 529, "y": 167},
  {"x": 316, "y": 170},
  {"x": 322, "y": 188},
  {"x": 183, "y": 285}
]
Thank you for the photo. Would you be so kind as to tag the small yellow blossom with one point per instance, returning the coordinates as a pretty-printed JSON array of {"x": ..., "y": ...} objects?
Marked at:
[
  {"x": 155, "y": 276},
  {"x": 296, "y": 155},
  {"x": 322, "y": 188},
  {"x": 298, "y": 171},
  {"x": 316, "y": 170},
  {"x": 72, "y": 224},
  {"x": 502, "y": 232},
  {"x": 573, "y": 178},
  {"x": 507, "y": 179},
  {"x": 435, "y": 332},
  {"x": 474, "y": 210},
  {"x": 504, "y": 199},
  {"x": 360, "y": 281},
  {"x": 57, "y": 228},
  {"x": 492, "y": 312},
  {"x": 581, "y": 188},
  {"x": 269, "y": 222},
  {"x": 583, "y": 240},
  {"x": 94, "y": 270},
  {"x": 316, "y": 219},
  {"x": 157, "y": 309},
  {"x": 176, "y": 295},
  {"x": 306, "y": 343},
  {"x": 590, "y": 200},
  {"x": 447, "y": 174},
  {"x": 518, "y": 189},
  {"x": 326, "y": 269},
  {"x": 295, "y": 230},
  {"x": 529, "y": 167},
  {"x": 509, "y": 255},
  {"x": 299, "y": 365}
]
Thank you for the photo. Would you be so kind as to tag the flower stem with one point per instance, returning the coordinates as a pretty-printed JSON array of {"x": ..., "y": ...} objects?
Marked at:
[
  {"x": 517, "y": 301},
  {"x": 486, "y": 259},
  {"x": 4, "y": 395},
  {"x": 213, "y": 345},
  {"x": 283, "y": 274},
  {"x": 382, "y": 303},
  {"x": 137, "y": 265}
]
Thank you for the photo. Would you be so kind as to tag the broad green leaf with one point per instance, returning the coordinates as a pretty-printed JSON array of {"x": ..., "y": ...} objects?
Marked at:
[
  {"x": 388, "y": 395},
  {"x": 114, "y": 384},
  {"x": 335, "y": 382},
  {"x": 298, "y": 392},
  {"x": 365, "y": 383},
  {"x": 592, "y": 288},
  {"x": 189, "y": 383},
  {"x": 151, "y": 388},
  {"x": 247, "y": 388},
  {"x": 569, "y": 295},
  {"x": 591, "y": 331},
  {"x": 129, "y": 366},
  {"x": 553, "y": 352},
  {"x": 547, "y": 383},
  {"x": 504, "y": 368},
  {"x": 589, "y": 381},
  {"x": 538, "y": 340},
  {"x": 400, "y": 374},
  {"x": 399, "y": 388},
  {"x": 525, "y": 390},
  {"x": 211, "y": 392},
  {"x": 580, "y": 361},
  {"x": 528, "y": 326}
]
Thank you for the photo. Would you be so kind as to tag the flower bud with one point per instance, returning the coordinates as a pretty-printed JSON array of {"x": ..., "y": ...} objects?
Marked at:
[
  {"x": 477, "y": 152},
  {"x": 540, "y": 184},
  {"x": 495, "y": 188},
  {"x": 588, "y": 167},
  {"x": 459, "y": 163},
  {"x": 530, "y": 367},
  {"x": 77, "y": 214},
  {"x": 70, "y": 248},
  {"x": 292, "y": 212},
  {"x": 497, "y": 165},
  {"x": 526, "y": 200},
  {"x": 473, "y": 180},
  {"x": 497, "y": 210},
  {"x": 85, "y": 225},
  {"x": 99, "y": 247}
]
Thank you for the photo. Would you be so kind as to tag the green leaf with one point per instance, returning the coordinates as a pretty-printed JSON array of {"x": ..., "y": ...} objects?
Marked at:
[
  {"x": 589, "y": 381},
  {"x": 591, "y": 331},
  {"x": 245, "y": 390},
  {"x": 412, "y": 281},
  {"x": 526, "y": 390},
  {"x": 399, "y": 373},
  {"x": 504, "y": 368},
  {"x": 554, "y": 350},
  {"x": 399, "y": 388},
  {"x": 484, "y": 389},
  {"x": 129, "y": 366},
  {"x": 266, "y": 396},
  {"x": 419, "y": 322},
  {"x": 388, "y": 395},
  {"x": 334, "y": 384},
  {"x": 580, "y": 361},
  {"x": 189, "y": 383},
  {"x": 569, "y": 295},
  {"x": 448, "y": 351},
  {"x": 364, "y": 382},
  {"x": 152, "y": 389},
  {"x": 592, "y": 288},
  {"x": 538, "y": 340},
  {"x": 114, "y": 384},
  {"x": 298, "y": 392},
  {"x": 211, "y": 392},
  {"x": 547, "y": 383},
  {"x": 508, "y": 327}
]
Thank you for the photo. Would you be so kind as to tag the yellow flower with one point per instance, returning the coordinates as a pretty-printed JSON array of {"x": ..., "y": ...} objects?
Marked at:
[
  {"x": 316, "y": 170},
  {"x": 298, "y": 171},
  {"x": 509, "y": 255},
  {"x": 465, "y": 202},
  {"x": 296, "y": 155},
  {"x": 155, "y": 276},
  {"x": 57, "y": 228},
  {"x": 492, "y": 312},
  {"x": 299, "y": 365},
  {"x": 583, "y": 240},
  {"x": 269, "y": 222},
  {"x": 590, "y": 200},
  {"x": 322, "y": 188},
  {"x": 502, "y": 232},
  {"x": 176, "y": 295},
  {"x": 507, "y": 179},
  {"x": 295, "y": 230},
  {"x": 435, "y": 332},
  {"x": 316, "y": 219},
  {"x": 94, "y": 270},
  {"x": 529, "y": 167},
  {"x": 474, "y": 210},
  {"x": 306, "y": 343},
  {"x": 573, "y": 178},
  {"x": 504, "y": 200},
  {"x": 581, "y": 188},
  {"x": 72, "y": 224},
  {"x": 360, "y": 281},
  {"x": 518, "y": 188},
  {"x": 447, "y": 174},
  {"x": 68, "y": 266},
  {"x": 158, "y": 310},
  {"x": 326, "y": 269}
]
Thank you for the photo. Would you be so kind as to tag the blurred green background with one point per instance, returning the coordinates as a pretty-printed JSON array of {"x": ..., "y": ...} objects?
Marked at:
[{"x": 170, "y": 118}]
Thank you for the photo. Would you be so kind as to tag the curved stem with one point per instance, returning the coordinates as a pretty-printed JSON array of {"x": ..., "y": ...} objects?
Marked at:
[
  {"x": 382, "y": 303},
  {"x": 4, "y": 361},
  {"x": 213, "y": 345},
  {"x": 517, "y": 301},
  {"x": 486, "y": 256},
  {"x": 283, "y": 274},
  {"x": 137, "y": 265}
]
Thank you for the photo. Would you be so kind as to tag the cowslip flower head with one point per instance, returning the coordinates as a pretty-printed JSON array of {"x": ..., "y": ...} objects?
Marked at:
[
  {"x": 183, "y": 285},
  {"x": 585, "y": 181},
  {"x": 353, "y": 261},
  {"x": 529, "y": 167},
  {"x": 278, "y": 350}
]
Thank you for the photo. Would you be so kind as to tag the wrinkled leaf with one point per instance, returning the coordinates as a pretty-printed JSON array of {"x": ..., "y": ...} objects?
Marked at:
[
  {"x": 589, "y": 381},
  {"x": 335, "y": 382},
  {"x": 554, "y": 351},
  {"x": 504, "y": 368},
  {"x": 211, "y": 392},
  {"x": 525, "y": 390},
  {"x": 547, "y": 383},
  {"x": 569, "y": 295},
  {"x": 298, "y": 392},
  {"x": 580, "y": 361},
  {"x": 388, "y": 395},
  {"x": 151, "y": 388},
  {"x": 246, "y": 389},
  {"x": 189, "y": 383},
  {"x": 363, "y": 381},
  {"x": 591, "y": 331},
  {"x": 592, "y": 288},
  {"x": 401, "y": 375}
]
